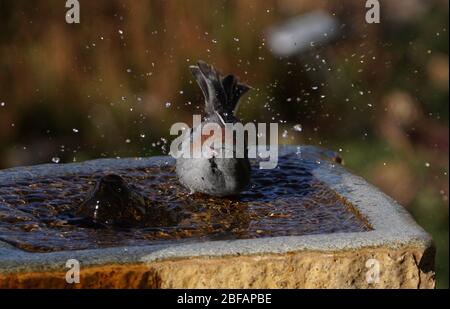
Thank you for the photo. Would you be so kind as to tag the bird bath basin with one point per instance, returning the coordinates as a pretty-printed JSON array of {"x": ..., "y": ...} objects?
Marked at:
[{"x": 308, "y": 223}]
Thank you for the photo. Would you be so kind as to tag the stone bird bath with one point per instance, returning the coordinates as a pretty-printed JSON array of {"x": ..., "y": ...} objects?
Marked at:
[{"x": 307, "y": 224}]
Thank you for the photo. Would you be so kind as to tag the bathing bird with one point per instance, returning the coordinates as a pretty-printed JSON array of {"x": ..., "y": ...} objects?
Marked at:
[{"x": 223, "y": 168}]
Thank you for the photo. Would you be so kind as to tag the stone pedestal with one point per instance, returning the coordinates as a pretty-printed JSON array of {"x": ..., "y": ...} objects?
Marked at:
[{"x": 396, "y": 253}]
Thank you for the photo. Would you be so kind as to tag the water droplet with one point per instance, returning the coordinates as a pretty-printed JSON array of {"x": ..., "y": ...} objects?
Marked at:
[
  {"x": 75, "y": 130},
  {"x": 120, "y": 31},
  {"x": 168, "y": 104},
  {"x": 427, "y": 164},
  {"x": 128, "y": 141},
  {"x": 55, "y": 160},
  {"x": 142, "y": 135},
  {"x": 298, "y": 128},
  {"x": 2, "y": 104},
  {"x": 285, "y": 134}
]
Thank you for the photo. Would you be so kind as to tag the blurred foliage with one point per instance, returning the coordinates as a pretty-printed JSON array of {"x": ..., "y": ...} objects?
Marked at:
[{"x": 113, "y": 85}]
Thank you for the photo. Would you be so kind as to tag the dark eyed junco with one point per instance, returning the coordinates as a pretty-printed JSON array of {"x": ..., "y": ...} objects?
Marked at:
[{"x": 217, "y": 175}]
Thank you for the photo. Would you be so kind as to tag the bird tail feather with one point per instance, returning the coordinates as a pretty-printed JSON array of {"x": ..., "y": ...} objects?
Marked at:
[{"x": 222, "y": 95}]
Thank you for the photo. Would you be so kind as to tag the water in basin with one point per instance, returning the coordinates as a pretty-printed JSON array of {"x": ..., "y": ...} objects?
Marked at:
[{"x": 39, "y": 214}]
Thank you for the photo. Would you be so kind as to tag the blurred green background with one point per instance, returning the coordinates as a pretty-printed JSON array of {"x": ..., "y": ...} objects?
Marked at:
[{"x": 114, "y": 84}]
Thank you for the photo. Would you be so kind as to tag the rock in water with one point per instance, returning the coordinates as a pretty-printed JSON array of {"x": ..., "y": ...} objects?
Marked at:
[{"x": 114, "y": 202}]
